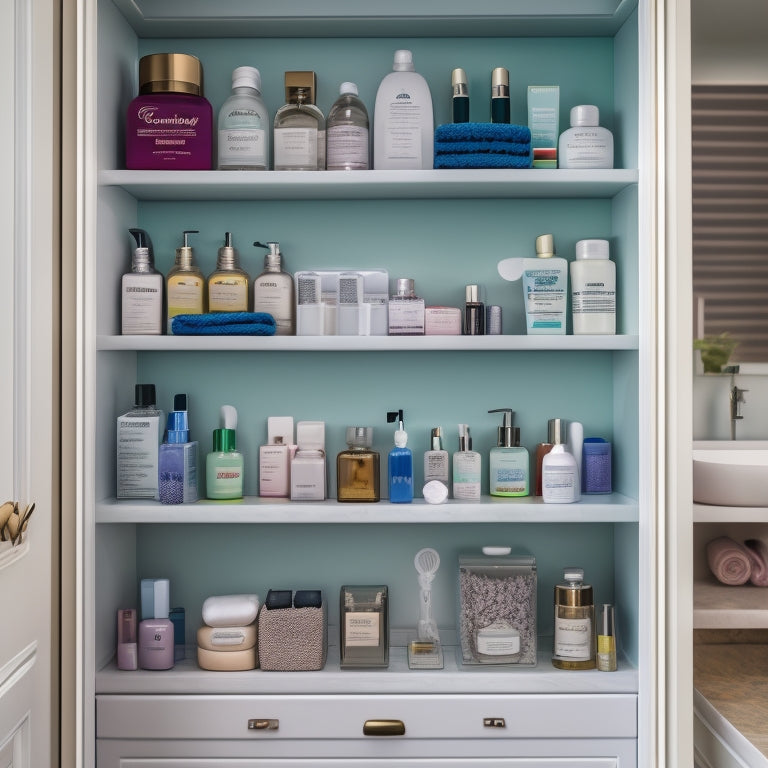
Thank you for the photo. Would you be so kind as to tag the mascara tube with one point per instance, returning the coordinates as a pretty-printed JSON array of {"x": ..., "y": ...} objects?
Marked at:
[
  {"x": 500, "y": 95},
  {"x": 460, "y": 102}
]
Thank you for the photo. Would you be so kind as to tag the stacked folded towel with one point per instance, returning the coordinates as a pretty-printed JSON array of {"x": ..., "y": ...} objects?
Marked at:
[
  {"x": 224, "y": 324},
  {"x": 227, "y": 641},
  {"x": 482, "y": 145}
]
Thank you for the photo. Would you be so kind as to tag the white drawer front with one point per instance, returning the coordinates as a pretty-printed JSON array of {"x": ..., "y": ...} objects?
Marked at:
[
  {"x": 571, "y": 762},
  {"x": 612, "y": 716}
]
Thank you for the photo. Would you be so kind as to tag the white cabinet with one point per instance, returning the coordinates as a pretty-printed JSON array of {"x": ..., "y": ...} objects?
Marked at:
[{"x": 445, "y": 229}]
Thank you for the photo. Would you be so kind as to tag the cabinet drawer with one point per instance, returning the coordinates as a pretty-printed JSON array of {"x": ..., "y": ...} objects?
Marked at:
[
  {"x": 344, "y": 717},
  {"x": 511, "y": 762}
]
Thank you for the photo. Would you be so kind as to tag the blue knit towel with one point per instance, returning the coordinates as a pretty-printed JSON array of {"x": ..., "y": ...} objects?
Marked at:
[
  {"x": 483, "y": 132},
  {"x": 468, "y": 147},
  {"x": 482, "y": 160},
  {"x": 224, "y": 324}
]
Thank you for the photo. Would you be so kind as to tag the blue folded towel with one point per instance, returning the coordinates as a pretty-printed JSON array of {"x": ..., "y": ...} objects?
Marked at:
[
  {"x": 483, "y": 132},
  {"x": 224, "y": 324},
  {"x": 467, "y": 147},
  {"x": 482, "y": 160}
]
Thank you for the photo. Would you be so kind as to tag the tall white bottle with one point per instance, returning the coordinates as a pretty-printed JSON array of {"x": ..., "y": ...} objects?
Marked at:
[
  {"x": 404, "y": 124},
  {"x": 593, "y": 289}
]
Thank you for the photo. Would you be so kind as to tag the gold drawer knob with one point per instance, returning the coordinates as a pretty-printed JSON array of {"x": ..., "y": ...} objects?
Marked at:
[
  {"x": 263, "y": 724},
  {"x": 384, "y": 728}
]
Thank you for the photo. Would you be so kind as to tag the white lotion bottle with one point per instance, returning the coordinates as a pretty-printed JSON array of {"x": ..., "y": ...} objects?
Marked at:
[
  {"x": 545, "y": 289},
  {"x": 593, "y": 289},
  {"x": 559, "y": 476},
  {"x": 404, "y": 124},
  {"x": 585, "y": 144}
]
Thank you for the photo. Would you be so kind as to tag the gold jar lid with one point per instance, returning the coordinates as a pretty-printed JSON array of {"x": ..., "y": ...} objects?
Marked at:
[{"x": 170, "y": 73}]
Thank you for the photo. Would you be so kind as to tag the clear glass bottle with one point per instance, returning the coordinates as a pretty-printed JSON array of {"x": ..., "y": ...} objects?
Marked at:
[
  {"x": 142, "y": 291},
  {"x": 347, "y": 147},
  {"x": 467, "y": 468},
  {"x": 364, "y": 620},
  {"x": 244, "y": 125},
  {"x": 185, "y": 284},
  {"x": 574, "y": 641},
  {"x": 228, "y": 283},
  {"x": 299, "y": 126},
  {"x": 357, "y": 468},
  {"x": 406, "y": 310},
  {"x": 273, "y": 291},
  {"x": 508, "y": 461}
]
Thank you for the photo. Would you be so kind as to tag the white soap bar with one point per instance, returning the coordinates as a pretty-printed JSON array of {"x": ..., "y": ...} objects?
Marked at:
[{"x": 230, "y": 610}]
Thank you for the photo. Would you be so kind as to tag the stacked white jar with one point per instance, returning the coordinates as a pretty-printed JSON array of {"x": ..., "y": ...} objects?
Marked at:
[{"x": 593, "y": 289}]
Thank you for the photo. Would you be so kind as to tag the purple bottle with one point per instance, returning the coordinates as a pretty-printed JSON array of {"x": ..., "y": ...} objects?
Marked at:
[{"x": 169, "y": 125}]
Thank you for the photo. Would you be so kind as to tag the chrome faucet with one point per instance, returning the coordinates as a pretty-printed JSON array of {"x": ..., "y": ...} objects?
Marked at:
[{"x": 736, "y": 400}]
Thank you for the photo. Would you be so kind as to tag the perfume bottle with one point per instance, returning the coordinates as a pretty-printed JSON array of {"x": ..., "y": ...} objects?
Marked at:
[
  {"x": 436, "y": 464},
  {"x": 244, "y": 124},
  {"x": 142, "y": 291},
  {"x": 347, "y": 132},
  {"x": 224, "y": 465},
  {"x": 299, "y": 127},
  {"x": 508, "y": 462},
  {"x": 228, "y": 283},
  {"x": 177, "y": 461},
  {"x": 185, "y": 284},
  {"x": 273, "y": 291},
  {"x": 467, "y": 467},
  {"x": 406, "y": 310},
  {"x": 357, "y": 468},
  {"x": 574, "y": 642},
  {"x": 400, "y": 464}
]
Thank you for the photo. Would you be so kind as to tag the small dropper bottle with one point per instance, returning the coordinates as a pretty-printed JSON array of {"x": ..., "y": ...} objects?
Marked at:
[
  {"x": 228, "y": 283},
  {"x": 185, "y": 284}
]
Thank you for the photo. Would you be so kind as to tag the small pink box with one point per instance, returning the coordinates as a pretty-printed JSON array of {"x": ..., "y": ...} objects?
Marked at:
[{"x": 442, "y": 321}]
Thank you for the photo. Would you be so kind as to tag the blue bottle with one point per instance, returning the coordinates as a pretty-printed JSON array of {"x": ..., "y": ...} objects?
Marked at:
[
  {"x": 400, "y": 464},
  {"x": 177, "y": 459}
]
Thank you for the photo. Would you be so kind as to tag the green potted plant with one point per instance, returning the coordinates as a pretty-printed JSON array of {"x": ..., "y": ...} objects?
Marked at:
[{"x": 715, "y": 351}]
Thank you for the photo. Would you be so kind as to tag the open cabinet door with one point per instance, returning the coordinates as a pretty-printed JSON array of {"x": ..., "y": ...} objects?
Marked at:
[{"x": 29, "y": 412}]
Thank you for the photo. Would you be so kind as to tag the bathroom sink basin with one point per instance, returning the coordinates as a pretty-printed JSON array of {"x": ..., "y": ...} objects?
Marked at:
[{"x": 731, "y": 473}]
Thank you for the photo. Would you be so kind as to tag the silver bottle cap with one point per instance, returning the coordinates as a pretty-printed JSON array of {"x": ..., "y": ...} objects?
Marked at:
[
  {"x": 405, "y": 287},
  {"x": 459, "y": 82},
  {"x": 437, "y": 439},
  {"x": 506, "y": 432},
  {"x": 607, "y": 621},
  {"x": 227, "y": 256},
  {"x": 499, "y": 82},
  {"x": 472, "y": 294},
  {"x": 362, "y": 437},
  {"x": 557, "y": 431}
]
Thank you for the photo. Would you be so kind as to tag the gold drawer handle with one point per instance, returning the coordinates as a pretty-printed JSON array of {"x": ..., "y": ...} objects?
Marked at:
[
  {"x": 262, "y": 724},
  {"x": 384, "y": 728}
]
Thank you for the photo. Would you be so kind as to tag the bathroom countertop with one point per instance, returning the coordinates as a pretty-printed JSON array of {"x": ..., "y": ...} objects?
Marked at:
[{"x": 732, "y": 680}]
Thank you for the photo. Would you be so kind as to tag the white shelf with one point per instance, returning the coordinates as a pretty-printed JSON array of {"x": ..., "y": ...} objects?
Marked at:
[
  {"x": 718, "y": 606},
  {"x": 343, "y": 18},
  {"x": 707, "y": 513},
  {"x": 610, "y": 508},
  {"x": 187, "y": 678},
  {"x": 370, "y": 185},
  {"x": 363, "y": 343}
]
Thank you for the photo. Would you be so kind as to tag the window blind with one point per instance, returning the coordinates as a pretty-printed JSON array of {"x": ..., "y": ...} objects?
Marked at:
[{"x": 730, "y": 214}]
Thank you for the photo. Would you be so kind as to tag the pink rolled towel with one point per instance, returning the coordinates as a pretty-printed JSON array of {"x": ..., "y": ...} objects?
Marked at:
[
  {"x": 729, "y": 561},
  {"x": 758, "y": 553}
]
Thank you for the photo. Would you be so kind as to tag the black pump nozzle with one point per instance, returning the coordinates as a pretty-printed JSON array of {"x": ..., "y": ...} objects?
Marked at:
[
  {"x": 395, "y": 416},
  {"x": 142, "y": 239}
]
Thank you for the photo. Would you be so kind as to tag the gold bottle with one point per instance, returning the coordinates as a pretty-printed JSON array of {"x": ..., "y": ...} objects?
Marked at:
[
  {"x": 357, "y": 468},
  {"x": 185, "y": 283},
  {"x": 228, "y": 283},
  {"x": 574, "y": 646}
]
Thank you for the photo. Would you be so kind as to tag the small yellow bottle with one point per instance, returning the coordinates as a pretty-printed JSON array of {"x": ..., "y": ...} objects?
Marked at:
[
  {"x": 228, "y": 283},
  {"x": 185, "y": 284}
]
